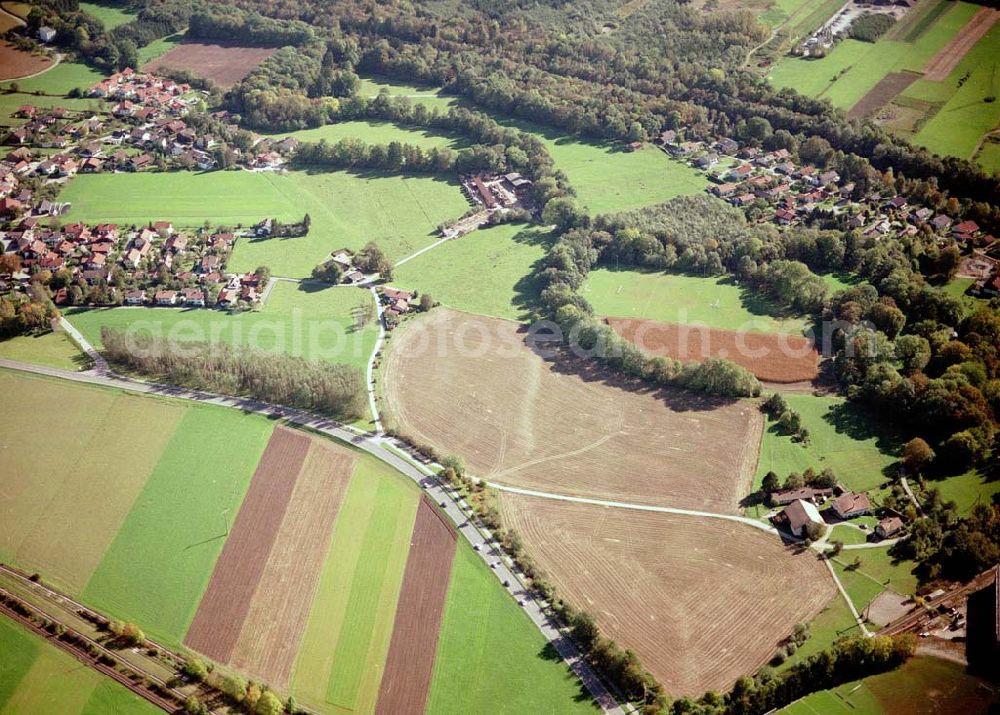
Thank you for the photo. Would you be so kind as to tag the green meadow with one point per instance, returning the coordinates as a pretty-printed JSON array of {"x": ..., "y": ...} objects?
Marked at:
[
  {"x": 921, "y": 685},
  {"x": 958, "y": 126},
  {"x": 840, "y": 437},
  {"x": 307, "y": 320},
  {"x": 401, "y": 214},
  {"x": 967, "y": 490},
  {"x": 381, "y": 132},
  {"x": 54, "y": 84},
  {"x": 678, "y": 298},
  {"x": 53, "y": 349},
  {"x": 159, "y": 564},
  {"x": 112, "y": 17},
  {"x": 877, "y": 572},
  {"x": 480, "y": 622},
  {"x": 485, "y": 272},
  {"x": 37, "y": 677},
  {"x": 833, "y": 622}
]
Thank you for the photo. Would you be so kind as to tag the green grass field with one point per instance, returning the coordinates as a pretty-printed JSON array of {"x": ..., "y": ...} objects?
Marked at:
[
  {"x": 989, "y": 157},
  {"x": 833, "y": 622},
  {"x": 304, "y": 320},
  {"x": 158, "y": 566},
  {"x": 876, "y": 573},
  {"x": 347, "y": 210},
  {"x": 378, "y": 133},
  {"x": 54, "y": 84},
  {"x": 158, "y": 48},
  {"x": 841, "y": 437},
  {"x": 347, "y": 637},
  {"x": 37, "y": 677},
  {"x": 956, "y": 129},
  {"x": 847, "y": 534},
  {"x": 780, "y": 11},
  {"x": 854, "y": 67},
  {"x": 485, "y": 272},
  {"x": 677, "y": 298},
  {"x": 921, "y": 685},
  {"x": 112, "y": 17},
  {"x": 428, "y": 96},
  {"x": 967, "y": 489},
  {"x": 480, "y": 623},
  {"x": 50, "y": 349}
]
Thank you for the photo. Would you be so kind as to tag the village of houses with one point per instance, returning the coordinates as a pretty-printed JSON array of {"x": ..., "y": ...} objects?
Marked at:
[{"x": 770, "y": 186}]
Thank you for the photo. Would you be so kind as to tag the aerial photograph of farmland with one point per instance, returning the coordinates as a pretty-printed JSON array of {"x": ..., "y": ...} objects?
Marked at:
[{"x": 392, "y": 357}]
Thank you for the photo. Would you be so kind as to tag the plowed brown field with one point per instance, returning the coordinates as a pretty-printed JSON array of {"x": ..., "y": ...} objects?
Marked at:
[
  {"x": 274, "y": 625},
  {"x": 224, "y": 606},
  {"x": 410, "y": 663},
  {"x": 15, "y": 63},
  {"x": 224, "y": 64},
  {"x": 471, "y": 386},
  {"x": 769, "y": 356},
  {"x": 879, "y": 95},
  {"x": 941, "y": 64},
  {"x": 701, "y": 601}
]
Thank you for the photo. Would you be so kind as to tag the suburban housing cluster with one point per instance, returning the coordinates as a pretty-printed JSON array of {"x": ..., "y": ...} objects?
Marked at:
[
  {"x": 772, "y": 186},
  {"x": 142, "y": 265}
]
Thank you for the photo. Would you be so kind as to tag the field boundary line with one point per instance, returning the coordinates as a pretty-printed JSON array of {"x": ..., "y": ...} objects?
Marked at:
[
  {"x": 636, "y": 507},
  {"x": 423, "y": 250}
]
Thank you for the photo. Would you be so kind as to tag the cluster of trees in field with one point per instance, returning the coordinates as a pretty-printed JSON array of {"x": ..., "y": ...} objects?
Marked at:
[
  {"x": 109, "y": 49},
  {"x": 871, "y": 26},
  {"x": 32, "y": 313},
  {"x": 395, "y": 157},
  {"x": 330, "y": 389},
  {"x": 250, "y": 697},
  {"x": 788, "y": 419}
]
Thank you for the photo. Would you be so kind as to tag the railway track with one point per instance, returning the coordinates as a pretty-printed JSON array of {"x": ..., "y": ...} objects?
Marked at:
[{"x": 926, "y": 613}]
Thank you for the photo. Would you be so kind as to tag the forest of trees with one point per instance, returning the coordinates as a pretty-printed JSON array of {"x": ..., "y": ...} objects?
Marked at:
[{"x": 330, "y": 389}]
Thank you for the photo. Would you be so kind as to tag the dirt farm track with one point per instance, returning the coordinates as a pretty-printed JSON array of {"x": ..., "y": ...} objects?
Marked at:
[
  {"x": 700, "y": 603},
  {"x": 471, "y": 386}
]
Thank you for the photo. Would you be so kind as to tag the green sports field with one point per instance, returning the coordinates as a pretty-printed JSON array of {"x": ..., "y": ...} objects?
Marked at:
[
  {"x": 481, "y": 622},
  {"x": 841, "y": 437},
  {"x": 677, "y": 298},
  {"x": 485, "y": 272},
  {"x": 50, "y": 349},
  {"x": 347, "y": 210},
  {"x": 160, "y": 562},
  {"x": 37, "y": 677},
  {"x": 305, "y": 320}
]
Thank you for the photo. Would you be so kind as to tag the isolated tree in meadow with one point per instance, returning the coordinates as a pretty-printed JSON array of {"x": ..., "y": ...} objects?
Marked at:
[
  {"x": 426, "y": 302},
  {"x": 917, "y": 454},
  {"x": 770, "y": 483}
]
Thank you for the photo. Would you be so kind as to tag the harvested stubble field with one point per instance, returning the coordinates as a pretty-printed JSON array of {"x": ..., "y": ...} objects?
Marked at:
[
  {"x": 701, "y": 602},
  {"x": 772, "y": 357},
  {"x": 224, "y": 64},
  {"x": 222, "y": 612},
  {"x": 941, "y": 65},
  {"x": 471, "y": 386},
  {"x": 276, "y": 620},
  {"x": 410, "y": 663}
]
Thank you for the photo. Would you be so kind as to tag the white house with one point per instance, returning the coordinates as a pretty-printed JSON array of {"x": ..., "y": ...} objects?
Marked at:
[{"x": 46, "y": 33}]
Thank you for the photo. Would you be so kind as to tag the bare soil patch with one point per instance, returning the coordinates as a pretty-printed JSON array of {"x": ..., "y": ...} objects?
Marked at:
[
  {"x": 701, "y": 601},
  {"x": 940, "y": 65},
  {"x": 224, "y": 606},
  {"x": 471, "y": 386},
  {"x": 410, "y": 663},
  {"x": 225, "y": 64},
  {"x": 15, "y": 63},
  {"x": 879, "y": 95},
  {"x": 770, "y": 356},
  {"x": 277, "y": 618},
  {"x": 887, "y": 607}
]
